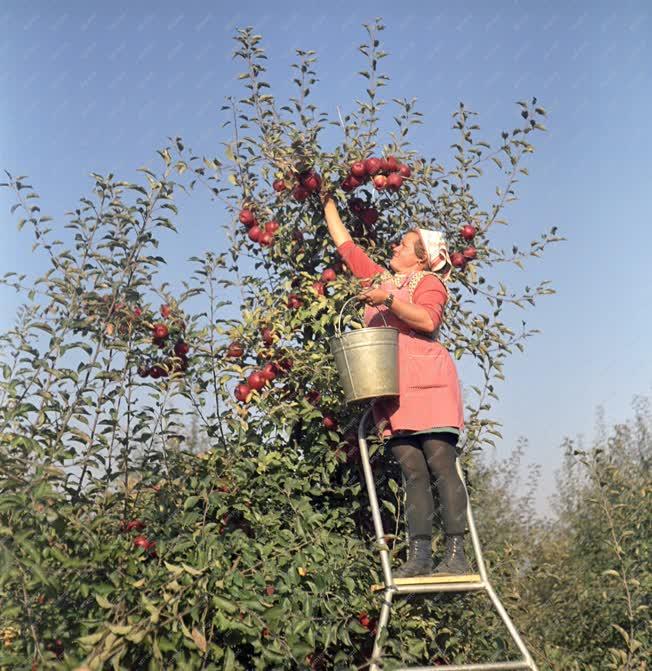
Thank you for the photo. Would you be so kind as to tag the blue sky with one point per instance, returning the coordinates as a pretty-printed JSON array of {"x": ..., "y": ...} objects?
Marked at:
[{"x": 91, "y": 88}]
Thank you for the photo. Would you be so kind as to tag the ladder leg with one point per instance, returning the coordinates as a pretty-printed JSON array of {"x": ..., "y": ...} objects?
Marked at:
[
  {"x": 382, "y": 624},
  {"x": 373, "y": 500},
  {"x": 485, "y": 579}
]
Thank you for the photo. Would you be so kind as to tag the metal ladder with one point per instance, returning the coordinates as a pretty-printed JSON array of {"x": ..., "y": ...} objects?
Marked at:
[{"x": 435, "y": 583}]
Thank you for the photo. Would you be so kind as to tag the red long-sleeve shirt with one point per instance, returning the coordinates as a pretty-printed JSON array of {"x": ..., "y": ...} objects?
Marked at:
[{"x": 430, "y": 293}]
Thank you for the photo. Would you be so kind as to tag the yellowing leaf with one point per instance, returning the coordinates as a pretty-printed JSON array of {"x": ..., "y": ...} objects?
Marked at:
[
  {"x": 177, "y": 570},
  {"x": 199, "y": 639},
  {"x": 103, "y": 602},
  {"x": 191, "y": 570},
  {"x": 91, "y": 639},
  {"x": 120, "y": 629},
  {"x": 301, "y": 571}
]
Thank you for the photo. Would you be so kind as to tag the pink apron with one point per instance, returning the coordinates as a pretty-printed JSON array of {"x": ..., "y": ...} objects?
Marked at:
[{"x": 430, "y": 394}]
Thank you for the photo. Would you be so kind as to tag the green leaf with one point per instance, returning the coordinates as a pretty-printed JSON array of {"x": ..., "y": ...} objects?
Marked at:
[
  {"x": 229, "y": 660},
  {"x": 190, "y": 502},
  {"x": 224, "y": 604}
]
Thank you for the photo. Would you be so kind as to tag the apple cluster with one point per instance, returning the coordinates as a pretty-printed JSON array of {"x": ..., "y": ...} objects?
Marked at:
[
  {"x": 460, "y": 259},
  {"x": 176, "y": 360},
  {"x": 307, "y": 183},
  {"x": 262, "y": 234},
  {"x": 131, "y": 320},
  {"x": 384, "y": 173},
  {"x": 258, "y": 379}
]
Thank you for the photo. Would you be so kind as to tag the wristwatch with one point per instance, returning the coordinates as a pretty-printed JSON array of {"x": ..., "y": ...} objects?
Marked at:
[{"x": 389, "y": 300}]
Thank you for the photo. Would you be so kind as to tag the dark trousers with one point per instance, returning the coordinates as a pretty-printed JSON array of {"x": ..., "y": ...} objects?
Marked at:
[{"x": 421, "y": 457}]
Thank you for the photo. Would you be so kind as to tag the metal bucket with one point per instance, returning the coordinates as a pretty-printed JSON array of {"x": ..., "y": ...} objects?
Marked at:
[{"x": 367, "y": 360}]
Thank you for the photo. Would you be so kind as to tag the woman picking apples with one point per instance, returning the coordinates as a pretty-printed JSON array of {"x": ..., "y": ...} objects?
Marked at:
[{"x": 423, "y": 423}]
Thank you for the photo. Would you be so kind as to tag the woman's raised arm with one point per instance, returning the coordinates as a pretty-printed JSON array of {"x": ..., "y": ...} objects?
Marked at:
[{"x": 336, "y": 228}]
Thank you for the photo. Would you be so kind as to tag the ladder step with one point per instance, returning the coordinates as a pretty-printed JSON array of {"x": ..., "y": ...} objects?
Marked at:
[
  {"x": 404, "y": 584},
  {"x": 469, "y": 667}
]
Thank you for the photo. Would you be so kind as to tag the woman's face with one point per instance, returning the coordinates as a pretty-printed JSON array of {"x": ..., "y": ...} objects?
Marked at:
[{"x": 404, "y": 259}]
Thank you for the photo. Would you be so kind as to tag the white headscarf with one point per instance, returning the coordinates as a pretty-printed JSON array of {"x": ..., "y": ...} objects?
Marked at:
[{"x": 437, "y": 252}]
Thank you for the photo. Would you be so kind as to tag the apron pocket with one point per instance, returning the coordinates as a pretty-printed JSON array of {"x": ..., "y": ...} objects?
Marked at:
[{"x": 425, "y": 371}]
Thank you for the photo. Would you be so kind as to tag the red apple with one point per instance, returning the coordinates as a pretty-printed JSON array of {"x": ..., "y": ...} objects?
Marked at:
[
  {"x": 137, "y": 312},
  {"x": 468, "y": 232},
  {"x": 271, "y": 227},
  {"x": 165, "y": 310},
  {"x": 279, "y": 185},
  {"x": 160, "y": 331},
  {"x": 328, "y": 275},
  {"x": 380, "y": 182},
  {"x": 318, "y": 288},
  {"x": 363, "y": 618},
  {"x": 269, "y": 590},
  {"x": 358, "y": 169},
  {"x": 247, "y": 217},
  {"x": 457, "y": 259},
  {"x": 151, "y": 549},
  {"x": 312, "y": 181},
  {"x": 266, "y": 239},
  {"x": 356, "y": 204},
  {"x": 300, "y": 192},
  {"x": 392, "y": 164},
  {"x": 235, "y": 350},
  {"x": 269, "y": 372},
  {"x": 255, "y": 233},
  {"x": 137, "y": 525},
  {"x": 313, "y": 397},
  {"x": 143, "y": 371},
  {"x": 350, "y": 182},
  {"x": 242, "y": 391},
  {"x": 157, "y": 370},
  {"x": 181, "y": 348},
  {"x": 404, "y": 170},
  {"x": 369, "y": 215},
  {"x": 294, "y": 301},
  {"x": 256, "y": 380},
  {"x": 329, "y": 423},
  {"x": 285, "y": 365},
  {"x": 346, "y": 184},
  {"x": 394, "y": 181},
  {"x": 268, "y": 335},
  {"x": 141, "y": 542},
  {"x": 470, "y": 253},
  {"x": 372, "y": 165}
]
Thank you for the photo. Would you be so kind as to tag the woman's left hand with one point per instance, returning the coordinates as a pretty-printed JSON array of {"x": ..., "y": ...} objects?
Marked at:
[{"x": 373, "y": 296}]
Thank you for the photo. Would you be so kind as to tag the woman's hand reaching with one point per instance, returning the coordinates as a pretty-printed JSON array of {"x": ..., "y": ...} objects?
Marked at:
[
  {"x": 325, "y": 196},
  {"x": 372, "y": 296}
]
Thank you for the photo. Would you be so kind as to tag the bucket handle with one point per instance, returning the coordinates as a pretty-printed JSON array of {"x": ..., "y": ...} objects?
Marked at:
[{"x": 338, "y": 326}]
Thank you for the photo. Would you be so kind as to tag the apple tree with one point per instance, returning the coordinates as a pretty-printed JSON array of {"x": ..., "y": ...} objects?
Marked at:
[{"x": 121, "y": 545}]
